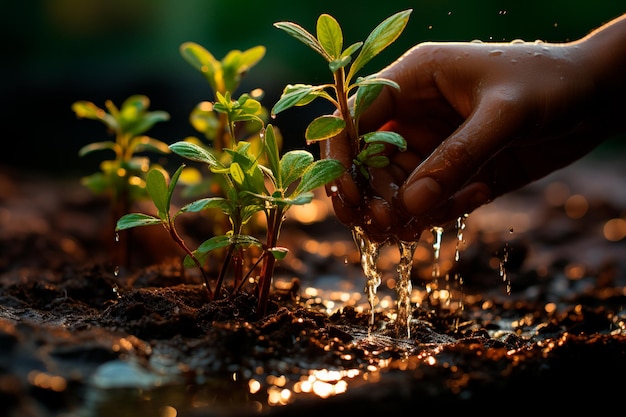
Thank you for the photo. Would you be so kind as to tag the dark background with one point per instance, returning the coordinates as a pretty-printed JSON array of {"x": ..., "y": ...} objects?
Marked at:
[{"x": 56, "y": 52}]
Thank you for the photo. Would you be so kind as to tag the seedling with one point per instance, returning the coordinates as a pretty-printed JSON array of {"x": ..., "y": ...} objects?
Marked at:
[
  {"x": 292, "y": 179},
  {"x": 122, "y": 178},
  {"x": 243, "y": 154},
  {"x": 224, "y": 78},
  {"x": 368, "y": 147},
  {"x": 251, "y": 180}
]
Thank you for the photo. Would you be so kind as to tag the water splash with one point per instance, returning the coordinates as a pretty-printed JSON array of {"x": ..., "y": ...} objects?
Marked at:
[
  {"x": 460, "y": 240},
  {"x": 369, "y": 251},
  {"x": 502, "y": 268},
  {"x": 437, "y": 232},
  {"x": 404, "y": 287}
]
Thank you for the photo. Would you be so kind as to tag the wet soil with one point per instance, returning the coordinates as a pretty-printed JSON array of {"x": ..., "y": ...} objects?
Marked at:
[{"x": 532, "y": 313}]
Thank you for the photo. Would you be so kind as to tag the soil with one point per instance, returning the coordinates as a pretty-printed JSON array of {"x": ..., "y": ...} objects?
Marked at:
[{"x": 535, "y": 313}]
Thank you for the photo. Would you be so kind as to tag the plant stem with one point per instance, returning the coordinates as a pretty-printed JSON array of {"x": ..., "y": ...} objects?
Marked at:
[
  {"x": 179, "y": 241},
  {"x": 274, "y": 223},
  {"x": 252, "y": 268},
  {"x": 344, "y": 109},
  {"x": 225, "y": 263}
]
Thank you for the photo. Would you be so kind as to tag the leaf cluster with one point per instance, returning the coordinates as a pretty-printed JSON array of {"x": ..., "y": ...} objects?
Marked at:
[
  {"x": 329, "y": 43},
  {"x": 253, "y": 178},
  {"x": 124, "y": 175}
]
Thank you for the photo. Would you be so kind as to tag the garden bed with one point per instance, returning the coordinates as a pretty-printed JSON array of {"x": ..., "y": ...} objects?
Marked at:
[{"x": 532, "y": 310}]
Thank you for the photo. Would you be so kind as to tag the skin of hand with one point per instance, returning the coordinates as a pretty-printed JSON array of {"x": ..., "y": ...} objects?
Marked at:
[{"x": 480, "y": 120}]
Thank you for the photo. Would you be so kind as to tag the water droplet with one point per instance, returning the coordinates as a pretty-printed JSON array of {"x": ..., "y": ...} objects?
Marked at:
[
  {"x": 437, "y": 234},
  {"x": 496, "y": 52},
  {"x": 117, "y": 237},
  {"x": 116, "y": 270},
  {"x": 460, "y": 227},
  {"x": 334, "y": 189}
]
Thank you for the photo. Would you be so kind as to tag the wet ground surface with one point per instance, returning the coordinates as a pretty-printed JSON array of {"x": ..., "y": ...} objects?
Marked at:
[{"x": 532, "y": 311}]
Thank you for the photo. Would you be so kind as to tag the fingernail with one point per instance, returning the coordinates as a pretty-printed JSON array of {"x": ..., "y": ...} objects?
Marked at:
[{"x": 419, "y": 196}]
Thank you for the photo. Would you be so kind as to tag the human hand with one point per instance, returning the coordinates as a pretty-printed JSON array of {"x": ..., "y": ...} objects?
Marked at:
[{"x": 480, "y": 120}]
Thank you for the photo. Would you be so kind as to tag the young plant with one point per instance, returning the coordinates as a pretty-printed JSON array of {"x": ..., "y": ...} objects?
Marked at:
[
  {"x": 224, "y": 77},
  {"x": 367, "y": 147},
  {"x": 292, "y": 179},
  {"x": 123, "y": 177}
]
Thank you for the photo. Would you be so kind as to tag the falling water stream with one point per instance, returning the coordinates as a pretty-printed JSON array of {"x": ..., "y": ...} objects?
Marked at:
[{"x": 369, "y": 253}]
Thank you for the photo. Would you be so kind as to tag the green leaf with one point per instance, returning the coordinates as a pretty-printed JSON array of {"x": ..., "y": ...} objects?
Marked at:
[
  {"x": 351, "y": 49},
  {"x": 329, "y": 35},
  {"x": 246, "y": 240},
  {"x": 97, "y": 182},
  {"x": 371, "y": 149},
  {"x": 292, "y": 96},
  {"x": 385, "y": 136},
  {"x": 338, "y": 63},
  {"x": 319, "y": 173},
  {"x": 236, "y": 63},
  {"x": 172, "y": 185},
  {"x": 303, "y": 36},
  {"x": 249, "y": 210},
  {"x": 272, "y": 153},
  {"x": 97, "y": 146},
  {"x": 324, "y": 127},
  {"x": 251, "y": 57},
  {"x": 300, "y": 199},
  {"x": 204, "y": 203},
  {"x": 144, "y": 122},
  {"x": 131, "y": 220},
  {"x": 195, "y": 153},
  {"x": 146, "y": 143},
  {"x": 202, "y": 60},
  {"x": 365, "y": 95},
  {"x": 87, "y": 110},
  {"x": 279, "y": 252},
  {"x": 237, "y": 173},
  {"x": 215, "y": 242},
  {"x": 292, "y": 166},
  {"x": 156, "y": 185},
  {"x": 382, "y": 36},
  {"x": 377, "y": 161}
]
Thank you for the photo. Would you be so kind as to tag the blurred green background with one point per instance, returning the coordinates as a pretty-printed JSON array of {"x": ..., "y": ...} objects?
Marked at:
[{"x": 60, "y": 51}]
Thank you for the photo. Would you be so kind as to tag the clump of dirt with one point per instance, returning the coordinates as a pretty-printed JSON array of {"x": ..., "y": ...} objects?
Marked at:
[{"x": 77, "y": 337}]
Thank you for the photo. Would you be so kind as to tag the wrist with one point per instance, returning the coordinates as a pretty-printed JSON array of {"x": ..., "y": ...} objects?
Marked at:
[{"x": 603, "y": 59}]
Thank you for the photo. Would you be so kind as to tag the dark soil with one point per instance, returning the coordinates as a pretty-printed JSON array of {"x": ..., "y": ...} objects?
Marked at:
[{"x": 80, "y": 338}]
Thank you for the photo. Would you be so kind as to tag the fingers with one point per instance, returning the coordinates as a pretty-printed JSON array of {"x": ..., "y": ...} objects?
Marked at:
[{"x": 490, "y": 128}]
